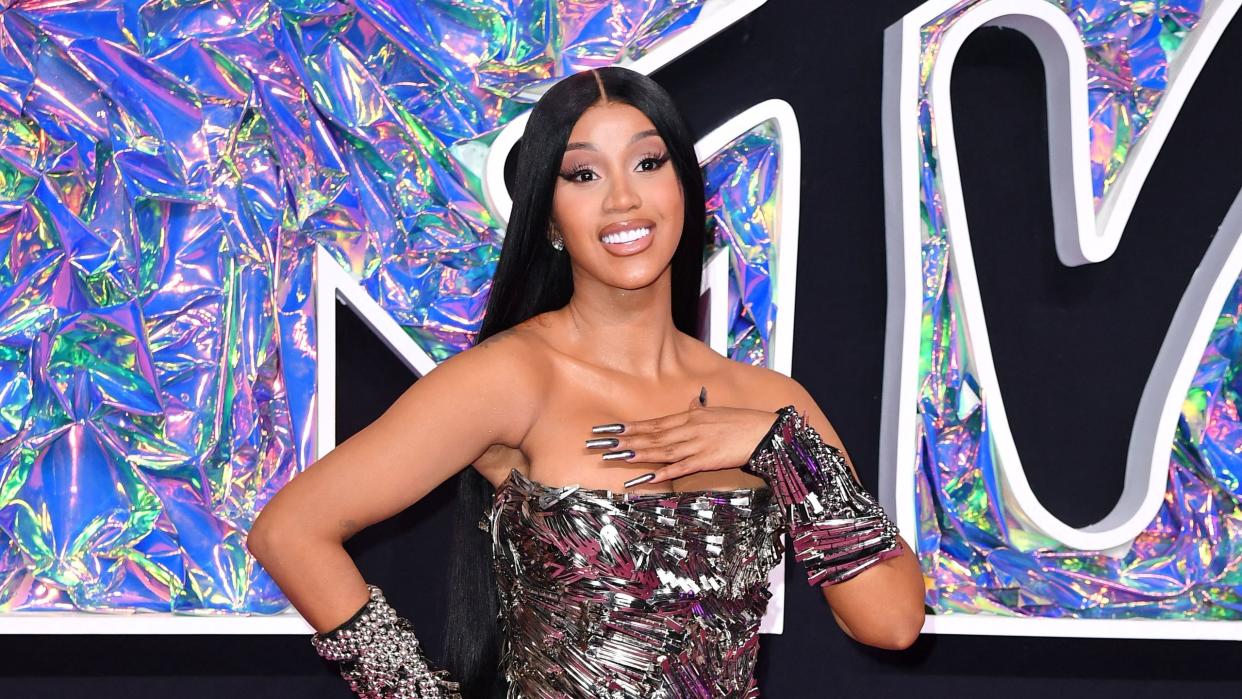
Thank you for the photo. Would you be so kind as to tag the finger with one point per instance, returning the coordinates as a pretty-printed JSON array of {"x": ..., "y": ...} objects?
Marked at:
[
  {"x": 654, "y": 424},
  {"x": 655, "y": 440},
  {"x": 699, "y": 401},
  {"x": 676, "y": 469},
  {"x": 667, "y": 454}
]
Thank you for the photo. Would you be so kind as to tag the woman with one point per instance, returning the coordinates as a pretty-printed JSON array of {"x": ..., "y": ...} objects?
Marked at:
[{"x": 646, "y": 575}]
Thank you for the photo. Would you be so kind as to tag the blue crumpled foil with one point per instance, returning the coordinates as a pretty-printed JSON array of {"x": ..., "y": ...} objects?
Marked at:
[{"x": 166, "y": 170}]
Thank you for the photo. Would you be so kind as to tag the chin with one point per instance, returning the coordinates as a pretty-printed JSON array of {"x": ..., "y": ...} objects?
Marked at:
[
  {"x": 634, "y": 283},
  {"x": 632, "y": 277}
]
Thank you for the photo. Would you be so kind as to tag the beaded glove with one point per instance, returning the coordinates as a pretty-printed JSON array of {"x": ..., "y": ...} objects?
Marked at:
[
  {"x": 837, "y": 528},
  {"x": 380, "y": 656}
]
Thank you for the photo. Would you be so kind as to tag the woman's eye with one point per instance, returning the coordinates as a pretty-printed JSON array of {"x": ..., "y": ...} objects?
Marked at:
[
  {"x": 658, "y": 160},
  {"x": 572, "y": 175}
]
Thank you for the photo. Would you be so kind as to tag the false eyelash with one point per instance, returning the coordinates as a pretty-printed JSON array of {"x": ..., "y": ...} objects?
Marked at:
[
  {"x": 574, "y": 170},
  {"x": 660, "y": 158}
]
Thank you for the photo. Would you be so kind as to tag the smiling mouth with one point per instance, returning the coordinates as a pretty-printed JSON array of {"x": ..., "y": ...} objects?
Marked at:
[
  {"x": 623, "y": 237},
  {"x": 628, "y": 242}
]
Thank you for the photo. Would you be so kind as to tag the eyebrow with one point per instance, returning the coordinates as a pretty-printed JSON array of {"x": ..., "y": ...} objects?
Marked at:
[{"x": 587, "y": 145}]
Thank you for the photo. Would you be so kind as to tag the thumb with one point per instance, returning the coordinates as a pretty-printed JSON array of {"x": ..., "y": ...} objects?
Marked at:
[{"x": 700, "y": 400}]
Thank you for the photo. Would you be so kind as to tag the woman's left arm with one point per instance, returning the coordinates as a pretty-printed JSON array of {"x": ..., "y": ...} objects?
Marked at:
[{"x": 882, "y": 605}]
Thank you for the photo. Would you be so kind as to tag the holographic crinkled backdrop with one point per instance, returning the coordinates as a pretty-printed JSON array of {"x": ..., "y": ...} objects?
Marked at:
[
  {"x": 166, "y": 170},
  {"x": 977, "y": 553}
]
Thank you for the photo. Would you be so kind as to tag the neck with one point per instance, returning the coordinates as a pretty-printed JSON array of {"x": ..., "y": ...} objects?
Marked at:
[{"x": 630, "y": 330}]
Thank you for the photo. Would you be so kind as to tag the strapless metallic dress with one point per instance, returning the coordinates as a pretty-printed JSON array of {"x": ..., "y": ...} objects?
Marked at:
[{"x": 626, "y": 595}]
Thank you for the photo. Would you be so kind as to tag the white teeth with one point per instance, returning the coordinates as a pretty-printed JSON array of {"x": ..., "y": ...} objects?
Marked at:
[{"x": 626, "y": 236}]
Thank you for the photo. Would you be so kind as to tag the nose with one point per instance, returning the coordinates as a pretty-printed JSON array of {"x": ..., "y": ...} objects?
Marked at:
[{"x": 622, "y": 196}]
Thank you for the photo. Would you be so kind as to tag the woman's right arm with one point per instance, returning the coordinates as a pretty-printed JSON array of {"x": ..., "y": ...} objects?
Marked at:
[{"x": 482, "y": 396}]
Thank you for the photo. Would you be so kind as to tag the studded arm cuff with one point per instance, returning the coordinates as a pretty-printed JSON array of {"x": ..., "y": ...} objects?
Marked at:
[
  {"x": 837, "y": 528},
  {"x": 380, "y": 656}
]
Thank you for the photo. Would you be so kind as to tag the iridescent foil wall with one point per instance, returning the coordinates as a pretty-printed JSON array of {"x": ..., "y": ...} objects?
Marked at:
[
  {"x": 166, "y": 170},
  {"x": 980, "y": 555},
  {"x": 743, "y": 184}
]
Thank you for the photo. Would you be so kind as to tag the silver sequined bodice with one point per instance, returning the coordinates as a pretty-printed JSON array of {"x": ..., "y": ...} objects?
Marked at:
[{"x": 631, "y": 595}]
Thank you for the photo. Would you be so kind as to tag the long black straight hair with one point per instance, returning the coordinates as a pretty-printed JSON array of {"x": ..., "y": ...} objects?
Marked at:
[{"x": 531, "y": 278}]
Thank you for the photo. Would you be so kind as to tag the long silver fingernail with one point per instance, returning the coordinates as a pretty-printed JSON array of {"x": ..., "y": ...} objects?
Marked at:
[
  {"x": 610, "y": 428},
  {"x": 602, "y": 442},
  {"x": 639, "y": 479},
  {"x": 623, "y": 454}
]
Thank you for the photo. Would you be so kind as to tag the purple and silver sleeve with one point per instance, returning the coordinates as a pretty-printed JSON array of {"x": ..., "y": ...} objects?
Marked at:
[{"x": 836, "y": 527}]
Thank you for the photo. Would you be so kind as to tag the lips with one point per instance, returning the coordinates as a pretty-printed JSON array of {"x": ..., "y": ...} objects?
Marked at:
[{"x": 627, "y": 237}]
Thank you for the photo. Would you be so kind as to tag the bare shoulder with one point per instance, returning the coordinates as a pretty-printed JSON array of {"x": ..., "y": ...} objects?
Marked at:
[
  {"x": 513, "y": 356},
  {"x": 507, "y": 372},
  {"x": 768, "y": 389},
  {"x": 515, "y": 348}
]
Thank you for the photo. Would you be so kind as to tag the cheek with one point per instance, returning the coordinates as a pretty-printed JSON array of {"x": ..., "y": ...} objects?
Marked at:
[
  {"x": 668, "y": 199},
  {"x": 569, "y": 205}
]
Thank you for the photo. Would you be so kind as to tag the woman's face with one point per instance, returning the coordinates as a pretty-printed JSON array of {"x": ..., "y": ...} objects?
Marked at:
[{"x": 618, "y": 202}]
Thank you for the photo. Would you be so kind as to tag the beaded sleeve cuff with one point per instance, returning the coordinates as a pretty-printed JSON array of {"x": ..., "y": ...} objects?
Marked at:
[
  {"x": 380, "y": 657},
  {"x": 837, "y": 528}
]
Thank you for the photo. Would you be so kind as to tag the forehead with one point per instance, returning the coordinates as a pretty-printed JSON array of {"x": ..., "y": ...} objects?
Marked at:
[{"x": 611, "y": 124}]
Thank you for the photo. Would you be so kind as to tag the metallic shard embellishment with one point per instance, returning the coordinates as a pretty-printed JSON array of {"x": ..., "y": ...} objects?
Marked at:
[
  {"x": 633, "y": 595},
  {"x": 836, "y": 527},
  {"x": 628, "y": 595}
]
